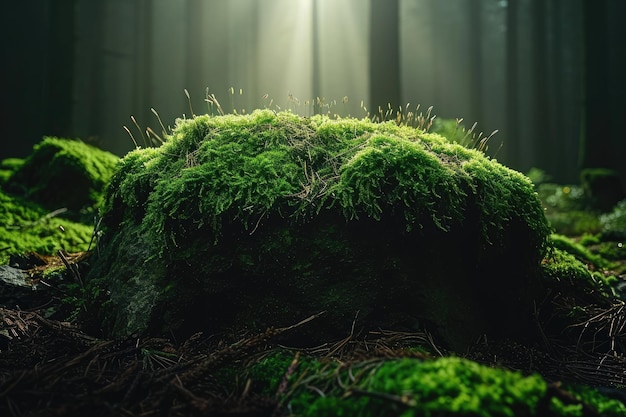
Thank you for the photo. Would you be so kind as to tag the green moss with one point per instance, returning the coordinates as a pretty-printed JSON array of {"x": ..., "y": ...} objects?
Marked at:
[
  {"x": 410, "y": 387},
  {"x": 567, "y": 410},
  {"x": 27, "y": 227},
  {"x": 587, "y": 239},
  {"x": 581, "y": 252},
  {"x": 217, "y": 168},
  {"x": 562, "y": 198},
  {"x": 604, "y": 405},
  {"x": 562, "y": 268},
  {"x": 603, "y": 187},
  {"x": 613, "y": 251},
  {"x": 59, "y": 184},
  {"x": 63, "y": 173},
  {"x": 614, "y": 222},
  {"x": 448, "y": 386},
  {"x": 538, "y": 176},
  {"x": 207, "y": 202},
  {"x": 567, "y": 209}
]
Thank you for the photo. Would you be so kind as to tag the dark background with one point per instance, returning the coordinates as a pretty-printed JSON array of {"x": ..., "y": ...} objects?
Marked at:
[{"x": 547, "y": 74}]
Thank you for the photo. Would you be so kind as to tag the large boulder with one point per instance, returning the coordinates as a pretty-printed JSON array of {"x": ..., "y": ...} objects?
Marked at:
[{"x": 248, "y": 221}]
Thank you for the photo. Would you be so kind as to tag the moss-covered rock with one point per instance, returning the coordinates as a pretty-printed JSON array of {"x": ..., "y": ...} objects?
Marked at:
[
  {"x": 251, "y": 220},
  {"x": 63, "y": 173}
]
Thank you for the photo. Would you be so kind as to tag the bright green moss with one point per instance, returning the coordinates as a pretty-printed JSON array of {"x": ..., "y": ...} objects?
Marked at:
[
  {"x": 614, "y": 252},
  {"x": 578, "y": 250},
  {"x": 27, "y": 227},
  {"x": 409, "y": 387},
  {"x": 574, "y": 223},
  {"x": 8, "y": 167},
  {"x": 448, "y": 128},
  {"x": 614, "y": 222},
  {"x": 587, "y": 239},
  {"x": 562, "y": 198},
  {"x": 217, "y": 168},
  {"x": 566, "y": 410},
  {"x": 211, "y": 204},
  {"x": 449, "y": 386}
]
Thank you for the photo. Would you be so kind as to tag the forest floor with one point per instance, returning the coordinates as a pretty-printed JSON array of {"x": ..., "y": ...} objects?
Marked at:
[{"x": 50, "y": 366}]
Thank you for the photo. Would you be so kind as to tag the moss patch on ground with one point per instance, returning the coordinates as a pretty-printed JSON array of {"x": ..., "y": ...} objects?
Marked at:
[
  {"x": 285, "y": 216},
  {"x": 410, "y": 386},
  {"x": 49, "y": 199},
  {"x": 27, "y": 227}
]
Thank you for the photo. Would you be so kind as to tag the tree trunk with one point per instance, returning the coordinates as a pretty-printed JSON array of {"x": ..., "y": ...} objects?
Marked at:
[
  {"x": 60, "y": 77},
  {"x": 596, "y": 123},
  {"x": 384, "y": 58},
  {"x": 512, "y": 128}
]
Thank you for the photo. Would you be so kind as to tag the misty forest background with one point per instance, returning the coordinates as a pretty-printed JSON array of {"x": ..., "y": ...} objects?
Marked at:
[{"x": 549, "y": 75}]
